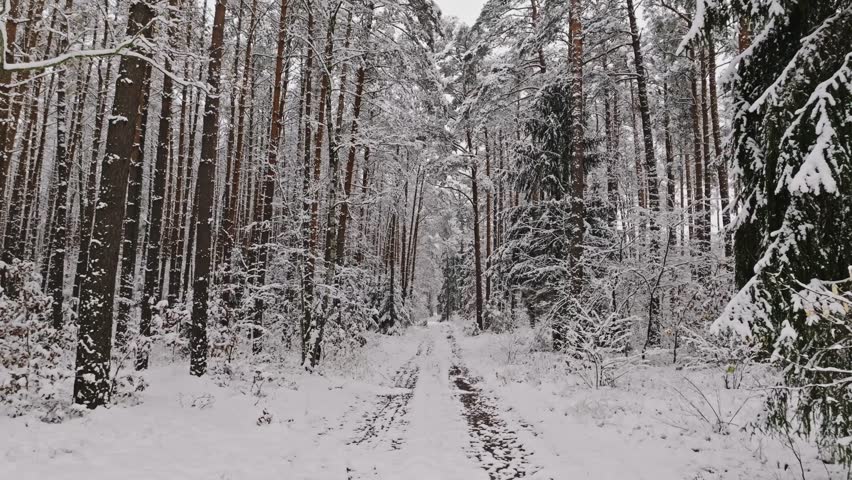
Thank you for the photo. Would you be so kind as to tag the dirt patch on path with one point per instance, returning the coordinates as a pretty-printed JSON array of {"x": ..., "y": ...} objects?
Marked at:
[{"x": 493, "y": 443}]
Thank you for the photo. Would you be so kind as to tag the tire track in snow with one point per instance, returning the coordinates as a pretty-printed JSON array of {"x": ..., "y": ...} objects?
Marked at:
[
  {"x": 389, "y": 413},
  {"x": 493, "y": 443}
]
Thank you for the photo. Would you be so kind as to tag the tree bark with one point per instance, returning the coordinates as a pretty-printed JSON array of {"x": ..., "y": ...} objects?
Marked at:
[
  {"x": 87, "y": 213},
  {"x": 488, "y": 210},
  {"x": 721, "y": 163},
  {"x": 308, "y": 260},
  {"x": 58, "y": 234},
  {"x": 360, "y": 80},
  {"x": 477, "y": 248},
  {"x": 316, "y": 328},
  {"x": 204, "y": 191},
  {"x": 132, "y": 218},
  {"x": 698, "y": 188},
  {"x": 578, "y": 163},
  {"x": 277, "y": 123},
  {"x": 150, "y": 288},
  {"x": 705, "y": 140},
  {"x": 670, "y": 180},
  {"x": 91, "y": 381}
]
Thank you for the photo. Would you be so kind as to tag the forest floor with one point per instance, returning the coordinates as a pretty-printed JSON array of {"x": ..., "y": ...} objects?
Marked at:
[{"x": 431, "y": 404}]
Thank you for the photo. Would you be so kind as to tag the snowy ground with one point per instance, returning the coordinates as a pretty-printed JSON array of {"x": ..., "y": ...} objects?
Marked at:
[{"x": 431, "y": 404}]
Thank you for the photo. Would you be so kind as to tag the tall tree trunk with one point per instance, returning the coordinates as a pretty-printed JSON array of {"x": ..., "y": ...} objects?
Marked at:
[
  {"x": 6, "y": 100},
  {"x": 179, "y": 181},
  {"x": 308, "y": 260},
  {"x": 91, "y": 381},
  {"x": 8, "y": 119},
  {"x": 578, "y": 162},
  {"x": 648, "y": 147},
  {"x": 204, "y": 191},
  {"x": 642, "y": 201},
  {"x": 360, "y": 79},
  {"x": 488, "y": 209},
  {"x": 230, "y": 197},
  {"x": 698, "y": 183},
  {"x": 132, "y": 219},
  {"x": 477, "y": 247},
  {"x": 705, "y": 140},
  {"x": 56, "y": 275},
  {"x": 315, "y": 329},
  {"x": 276, "y": 129},
  {"x": 191, "y": 202},
  {"x": 721, "y": 163},
  {"x": 233, "y": 187},
  {"x": 748, "y": 234},
  {"x": 534, "y": 15},
  {"x": 415, "y": 235},
  {"x": 87, "y": 213},
  {"x": 670, "y": 179},
  {"x": 151, "y": 286}
]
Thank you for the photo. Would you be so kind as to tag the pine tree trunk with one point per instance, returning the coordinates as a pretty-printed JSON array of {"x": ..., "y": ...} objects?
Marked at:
[
  {"x": 269, "y": 177},
  {"x": 204, "y": 191},
  {"x": 308, "y": 259},
  {"x": 233, "y": 187},
  {"x": 360, "y": 79},
  {"x": 91, "y": 382},
  {"x": 8, "y": 120},
  {"x": 670, "y": 179},
  {"x": 132, "y": 219},
  {"x": 56, "y": 274},
  {"x": 151, "y": 286},
  {"x": 477, "y": 247},
  {"x": 230, "y": 206},
  {"x": 181, "y": 177},
  {"x": 415, "y": 235},
  {"x": 578, "y": 163},
  {"x": 316, "y": 328},
  {"x": 87, "y": 213},
  {"x": 5, "y": 103},
  {"x": 705, "y": 137},
  {"x": 642, "y": 201},
  {"x": 698, "y": 188},
  {"x": 30, "y": 154},
  {"x": 488, "y": 209},
  {"x": 191, "y": 202},
  {"x": 721, "y": 164},
  {"x": 534, "y": 15}
]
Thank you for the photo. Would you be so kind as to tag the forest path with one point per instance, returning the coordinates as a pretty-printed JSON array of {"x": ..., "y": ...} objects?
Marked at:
[
  {"x": 436, "y": 423},
  {"x": 493, "y": 442}
]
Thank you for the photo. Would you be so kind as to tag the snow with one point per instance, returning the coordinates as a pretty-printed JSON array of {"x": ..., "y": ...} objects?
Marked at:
[
  {"x": 642, "y": 427},
  {"x": 696, "y": 27},
  {"x": 392, "y": 411}
]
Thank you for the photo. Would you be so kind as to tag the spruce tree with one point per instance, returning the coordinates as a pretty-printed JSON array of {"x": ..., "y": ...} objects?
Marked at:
[{"x": 793, "y": 152}]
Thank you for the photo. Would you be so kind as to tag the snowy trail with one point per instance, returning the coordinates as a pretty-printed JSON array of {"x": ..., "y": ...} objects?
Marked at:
[
  {"x": 494, "y": 444},
  {"x": 384, "y": 423},
  {"x": 418, "y": 432},
  {"x": 439, "y": 424}
]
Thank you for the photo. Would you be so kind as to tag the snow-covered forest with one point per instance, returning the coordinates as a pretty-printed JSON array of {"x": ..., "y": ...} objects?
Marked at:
[{"x": 365, "y": 239}]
